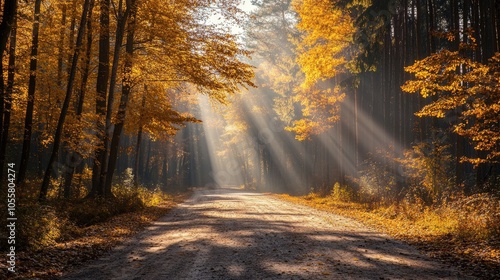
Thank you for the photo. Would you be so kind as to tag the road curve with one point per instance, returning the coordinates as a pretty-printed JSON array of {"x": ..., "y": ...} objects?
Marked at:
[{"x": 234, "y": 234}]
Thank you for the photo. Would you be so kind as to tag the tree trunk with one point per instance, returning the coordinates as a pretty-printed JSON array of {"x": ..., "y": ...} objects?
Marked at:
[
  {"x": 126, "y": 88},
  {"x": 65, "y": 107},
  {"x": 8, "y": 96},
  {"x": 9, "y": 14},
  {"x": 139, "y": 140},
  {"x": 81, "y": 98},
  {"x": 8, "y": 22},
  {"x": 120, "y": 30},
  {"x": 28, "y": 122},
  {"x": 101, "y": 88}
]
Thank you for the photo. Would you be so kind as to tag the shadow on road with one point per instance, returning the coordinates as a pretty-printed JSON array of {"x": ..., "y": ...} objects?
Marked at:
[{"x": 230, "y": 234}]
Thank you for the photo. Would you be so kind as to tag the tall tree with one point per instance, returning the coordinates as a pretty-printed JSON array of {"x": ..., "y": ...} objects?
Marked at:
[
  {"x": 8, "y": 22},
  {"x": 65, "y": 106},
  {"x": 100, "y": 103},
  {"x": 28, "y": 121},
  {"x": 6, "y": 92},
  {"x": 126, "y": 88}
]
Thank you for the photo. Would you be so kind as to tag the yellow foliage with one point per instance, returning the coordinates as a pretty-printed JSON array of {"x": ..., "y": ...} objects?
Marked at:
[
  {"x": 324, "y": 45},
  {"x": 470, "y": 89},
  {"x": 322, "y": 54},
  {"x": 320, "y": 110}
]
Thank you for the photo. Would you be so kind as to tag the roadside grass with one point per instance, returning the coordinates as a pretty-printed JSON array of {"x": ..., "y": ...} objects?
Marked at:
[
  {"x": 57, "y": 235},
  {"x": 465, "y": 232}
]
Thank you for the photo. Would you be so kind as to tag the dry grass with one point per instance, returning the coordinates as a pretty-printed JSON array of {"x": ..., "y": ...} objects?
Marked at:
[
  {"x": 77, "y": 244},
  {"x": 465, "y": 232}
]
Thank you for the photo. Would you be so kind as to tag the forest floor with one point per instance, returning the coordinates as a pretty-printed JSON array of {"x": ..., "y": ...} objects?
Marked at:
[
  {"x": 93, "y": 242},
  {"x": 235, "y": 234},
  {"x": 479, "y": 257}
]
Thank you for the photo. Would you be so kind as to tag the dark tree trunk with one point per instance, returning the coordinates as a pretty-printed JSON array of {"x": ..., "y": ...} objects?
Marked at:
[
  {"x": 65, "y": 107},
  {"x": 28, "y": 122},
  {"x": 120, "y": 31},
  {"x": 126, "y": 88},
  {"x": 8, "y": 96},
  {"x": 139, "y": 140},
  {"x": 101, "y": 88},
  {"x": 8, "y": 22},
  {"x": 79, "y": 106},
  {"x": 8, "y": 18}
]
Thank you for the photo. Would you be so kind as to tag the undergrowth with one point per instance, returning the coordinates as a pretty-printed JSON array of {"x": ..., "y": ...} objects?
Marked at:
[
  {"x": 474, "y": 217},
  {"x": 57, "y": 220},
  {"x": 463, "y": 229}
]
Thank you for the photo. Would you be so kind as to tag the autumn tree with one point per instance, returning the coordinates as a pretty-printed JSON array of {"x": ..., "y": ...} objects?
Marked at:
[
  {"x": 457, "y": 84},
  {"x": 7, "y": 30},
  {"x": 28, "y": 121},
  {"x": 66, "y": 103},
  {"x": 323, "y": 53},
  {"x": 192, "y": 52}
]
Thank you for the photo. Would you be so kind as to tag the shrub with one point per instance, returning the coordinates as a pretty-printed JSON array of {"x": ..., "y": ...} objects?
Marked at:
[
  {"x": 428, "y": 165},
  {"x": 126, "y": 199},
  {"x": 89, "y": 211},
  {"x": 38, "y": 226},
  {"x": 343, "y": 193},
  {"x": 42, "y": 225},
  {"x": 478, "y": 216}
]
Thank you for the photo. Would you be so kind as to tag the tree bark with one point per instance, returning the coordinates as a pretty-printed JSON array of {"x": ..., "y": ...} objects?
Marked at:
[
  {"x": 139, "y": 140},
  {"x": 8, "y": 21},
  {"x": 126, "y": 89},
  {"x": 120, "y": 30},
  {"x": 101, "y": 88},
  {"x": 8, "y": 96},
  {"x": 71, "y": 168},
  {"x": 64, "y": 110},
  {"x": 28, "y": 122},
  {"x": 9, "y": 14}
]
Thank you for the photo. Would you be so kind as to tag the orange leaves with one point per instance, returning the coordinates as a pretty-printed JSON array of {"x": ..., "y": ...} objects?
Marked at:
[
  {"x": 320, "y": 110},
  {"x": 469, "y": 88},
  {"x": 322, "y": 51},
  {"x": 322, "y": 54}
]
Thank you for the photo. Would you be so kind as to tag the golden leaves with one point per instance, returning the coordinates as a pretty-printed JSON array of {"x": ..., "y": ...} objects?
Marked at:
[
  {"x": 322, "y": 54},
  {"x": 322, "y": 51},
  {"x": 320, "y": 110},
  {"x": 467, "y": 87}
]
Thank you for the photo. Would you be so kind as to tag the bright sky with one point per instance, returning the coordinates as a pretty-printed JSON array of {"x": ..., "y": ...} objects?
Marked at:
[{"x": 246, "y": 6}]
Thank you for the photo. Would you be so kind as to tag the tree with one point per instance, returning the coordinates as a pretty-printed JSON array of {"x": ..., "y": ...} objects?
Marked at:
[
  {"x": 193, "y": 52},
  {"x": 28, "y": 121},
  {"x": 126, "y": 89},
  {"x": 6, "y": 90},
  {"x": 459, "y": 85},
  {"x": 65, "y": 107},
  {"x": 323, "y": 53},
  {"x": 100, "y": 103}
]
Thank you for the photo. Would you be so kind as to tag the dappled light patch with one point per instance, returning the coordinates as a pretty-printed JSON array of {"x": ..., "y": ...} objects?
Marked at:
[
  {"x": 461, "y": 230},
  {"x": 47, "y": 255}
]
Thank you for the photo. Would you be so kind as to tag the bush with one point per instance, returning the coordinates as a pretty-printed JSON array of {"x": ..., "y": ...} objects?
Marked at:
[
  {"x": 478, "y": 216},
  {"x": 42, "y": 226},
  {"x": 89, "y": 211},
  {"x": 126, "y": 199},
  {"x": 343, "y": 193},
  {"x": 38, "y": 226}
]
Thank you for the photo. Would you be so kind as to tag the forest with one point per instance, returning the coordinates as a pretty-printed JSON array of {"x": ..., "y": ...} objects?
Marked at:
[{"x": 110, "y": 106}]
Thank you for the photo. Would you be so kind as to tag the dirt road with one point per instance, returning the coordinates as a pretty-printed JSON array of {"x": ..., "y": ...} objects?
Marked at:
[{"x": 233, "y": 234}]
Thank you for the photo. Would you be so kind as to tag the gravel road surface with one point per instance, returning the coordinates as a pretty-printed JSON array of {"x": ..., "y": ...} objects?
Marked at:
[{"x": 235, "y": 234}]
